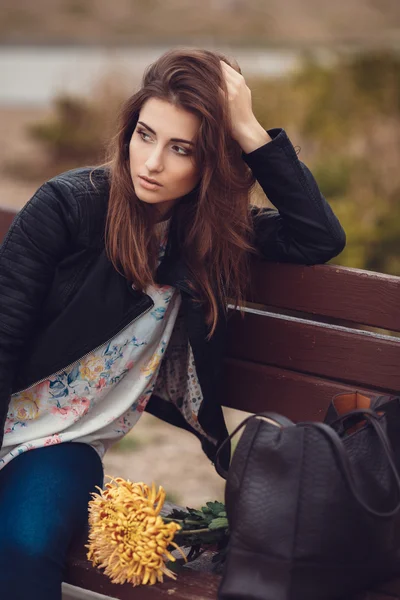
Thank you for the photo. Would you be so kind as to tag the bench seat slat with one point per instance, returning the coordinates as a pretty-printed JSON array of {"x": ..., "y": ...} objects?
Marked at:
[
  {"x": 256, "y": 388},
  {"x": 193, "y": 585},
  {"x": 190, "y": 585},
  {"x": 339, "y": 292},
  {"x": 348, "y": 356}
]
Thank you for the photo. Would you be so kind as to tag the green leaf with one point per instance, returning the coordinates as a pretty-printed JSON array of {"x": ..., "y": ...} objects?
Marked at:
[
  {"x": 215, "y": 507},
  {"x": 177, "y": 514},
  {"x": 222, "y": 513},
  {"x": 219, "y": 523},
  {"x": 196, "y": 513},
  {"x": 206, "y": 510}
]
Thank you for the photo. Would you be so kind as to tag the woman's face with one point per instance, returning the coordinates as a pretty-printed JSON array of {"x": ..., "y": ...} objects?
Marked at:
[{"x": 161, "y": 149}]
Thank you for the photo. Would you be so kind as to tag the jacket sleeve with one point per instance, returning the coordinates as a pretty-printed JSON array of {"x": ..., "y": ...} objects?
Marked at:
[
  {"x": 304, "y": 228},
  {"x": 37, "y": 239}
]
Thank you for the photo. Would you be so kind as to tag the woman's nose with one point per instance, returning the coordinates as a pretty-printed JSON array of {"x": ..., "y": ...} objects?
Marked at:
[{"x": 154, "y": 161}]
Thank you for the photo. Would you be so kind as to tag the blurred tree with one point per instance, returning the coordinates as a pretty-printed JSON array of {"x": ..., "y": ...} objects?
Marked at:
[
  {"x": 73, "y": 136},
  {"x": 77, "y": 133},
  {"x": 347, "y": 116}
]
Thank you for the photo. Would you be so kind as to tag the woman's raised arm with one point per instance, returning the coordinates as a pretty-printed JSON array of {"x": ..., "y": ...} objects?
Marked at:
[{"x": 304, "y": 228}]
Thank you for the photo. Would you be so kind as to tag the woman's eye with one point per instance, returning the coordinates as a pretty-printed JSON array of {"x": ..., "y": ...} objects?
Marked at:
[
  {"x": 143, "y": 135},
  {"x": 177, "y": 149},
  {"x": 180, "y": 150}
]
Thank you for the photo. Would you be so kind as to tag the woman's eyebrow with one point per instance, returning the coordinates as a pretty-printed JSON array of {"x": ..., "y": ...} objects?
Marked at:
[{"x": 172, "y": 139}]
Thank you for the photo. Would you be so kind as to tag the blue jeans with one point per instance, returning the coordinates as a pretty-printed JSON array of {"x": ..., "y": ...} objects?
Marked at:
[{"x": 44, "y": 495}]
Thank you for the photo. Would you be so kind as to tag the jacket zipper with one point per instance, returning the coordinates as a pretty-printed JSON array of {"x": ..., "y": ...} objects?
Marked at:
[{"x": 85, "y": 355}]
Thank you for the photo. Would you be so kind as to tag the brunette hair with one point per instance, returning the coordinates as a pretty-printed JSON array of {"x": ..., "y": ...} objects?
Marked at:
[{"x": 214, "y": 219}]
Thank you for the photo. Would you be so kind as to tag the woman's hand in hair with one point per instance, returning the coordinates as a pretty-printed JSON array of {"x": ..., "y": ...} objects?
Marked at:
[{"x": 245, "y": 128}]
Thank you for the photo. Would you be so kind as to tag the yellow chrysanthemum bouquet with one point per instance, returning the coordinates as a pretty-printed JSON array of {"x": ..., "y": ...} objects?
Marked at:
[{"x": 132, "y": 541}]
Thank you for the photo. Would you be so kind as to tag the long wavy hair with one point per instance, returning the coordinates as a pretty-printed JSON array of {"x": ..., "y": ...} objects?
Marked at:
[{"x": 214, "y": 219}]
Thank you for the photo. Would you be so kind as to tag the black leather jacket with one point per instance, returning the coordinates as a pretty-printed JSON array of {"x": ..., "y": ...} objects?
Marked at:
[{"x": 60, "y": 297}]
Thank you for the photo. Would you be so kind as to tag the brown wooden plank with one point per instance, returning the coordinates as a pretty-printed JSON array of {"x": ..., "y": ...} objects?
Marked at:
[
  {"x": 350, "y": 356},
  {"x": 339, "y": 292},
  {"x": 256, "y": 388},
  {"x": 190, "y": 585},
  {"x": 6, "y": 218},
  {"x": 194, "y": 582}
]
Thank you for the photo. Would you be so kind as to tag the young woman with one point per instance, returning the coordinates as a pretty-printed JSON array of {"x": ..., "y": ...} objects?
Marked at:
[{"x": 114, "y": 283}]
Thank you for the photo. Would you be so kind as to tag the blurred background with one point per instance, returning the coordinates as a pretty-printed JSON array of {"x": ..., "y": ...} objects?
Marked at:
[{"x": 328, "y": 72}]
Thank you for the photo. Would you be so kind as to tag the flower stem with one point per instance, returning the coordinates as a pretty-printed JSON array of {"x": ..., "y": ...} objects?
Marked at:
[
  {"x": 188, "y": 521},
  {"x": 193, "y": 531}
]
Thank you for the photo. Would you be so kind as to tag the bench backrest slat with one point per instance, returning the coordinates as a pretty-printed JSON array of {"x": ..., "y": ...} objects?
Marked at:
[
  {"x": 279, "y": 362},
  {"x": 350, "y": 356},
  {"x": 331, "y": 291},
  {"x": 256, "y": 388}
]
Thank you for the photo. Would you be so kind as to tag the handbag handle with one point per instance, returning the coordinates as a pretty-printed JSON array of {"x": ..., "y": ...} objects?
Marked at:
[
  {"x": 332, "y": 436},
  {"x": 274, "y": 418},
  {"x": 281, "y": 422}
]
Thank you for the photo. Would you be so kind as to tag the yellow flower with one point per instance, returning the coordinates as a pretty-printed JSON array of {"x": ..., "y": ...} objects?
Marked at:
[{"x": 127, "y": 535}]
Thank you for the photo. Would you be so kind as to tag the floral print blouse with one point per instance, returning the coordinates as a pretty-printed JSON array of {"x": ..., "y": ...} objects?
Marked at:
[{"x": 100, "y": 398}]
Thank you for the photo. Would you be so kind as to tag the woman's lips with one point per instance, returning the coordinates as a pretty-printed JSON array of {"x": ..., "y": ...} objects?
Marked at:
[{"x": 147, "y": 185}]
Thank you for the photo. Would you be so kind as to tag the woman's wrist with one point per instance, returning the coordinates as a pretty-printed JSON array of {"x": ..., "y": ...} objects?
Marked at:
[{"x": 252, "y": 136}]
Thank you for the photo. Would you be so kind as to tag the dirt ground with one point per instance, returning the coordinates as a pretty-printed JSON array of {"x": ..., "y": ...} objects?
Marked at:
[
  {"x": 153, "y": 451},
  {"x": 156, "y": 451}
]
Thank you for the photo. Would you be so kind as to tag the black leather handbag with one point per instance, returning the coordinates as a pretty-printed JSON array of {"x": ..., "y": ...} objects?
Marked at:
[{"x": 313, "y": 510}]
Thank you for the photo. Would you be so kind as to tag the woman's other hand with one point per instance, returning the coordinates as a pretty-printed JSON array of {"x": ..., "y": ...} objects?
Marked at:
[{"x": 245, "y": 128}]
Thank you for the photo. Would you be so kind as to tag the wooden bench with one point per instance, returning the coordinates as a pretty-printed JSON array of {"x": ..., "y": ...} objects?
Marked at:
[{"x": 308, "y": 333}]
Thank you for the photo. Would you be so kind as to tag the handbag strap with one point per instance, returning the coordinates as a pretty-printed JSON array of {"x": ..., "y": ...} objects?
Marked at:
[
  {"x": 274, "y": 418},
  {"x": 281, "y": 422},
  {"x": 344, "y": 462}
]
